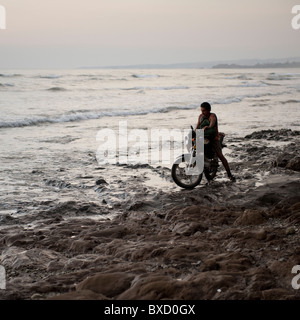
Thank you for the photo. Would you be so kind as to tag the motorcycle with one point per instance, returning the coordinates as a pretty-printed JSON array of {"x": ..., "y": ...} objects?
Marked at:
[{"x": 183, "y": 169}]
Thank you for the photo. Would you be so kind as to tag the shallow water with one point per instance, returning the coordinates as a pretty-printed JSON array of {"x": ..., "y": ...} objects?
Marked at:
[{"x": 50, "y": 121}]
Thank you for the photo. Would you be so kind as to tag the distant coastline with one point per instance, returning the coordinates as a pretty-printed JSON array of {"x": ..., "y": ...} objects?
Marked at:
[
  {"x": 291, "y": 62},
  {"x": 258, "y": 65}
]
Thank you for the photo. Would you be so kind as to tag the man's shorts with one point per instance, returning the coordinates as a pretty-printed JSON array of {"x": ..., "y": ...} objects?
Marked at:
[{"x": 216, "y": 144}]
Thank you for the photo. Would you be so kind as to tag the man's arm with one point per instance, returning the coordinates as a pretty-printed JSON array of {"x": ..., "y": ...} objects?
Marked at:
[{"x": 212, "y": 120}]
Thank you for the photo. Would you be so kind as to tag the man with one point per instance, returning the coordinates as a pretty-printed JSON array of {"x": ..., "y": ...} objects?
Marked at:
[{"x": 212, "y": 125}]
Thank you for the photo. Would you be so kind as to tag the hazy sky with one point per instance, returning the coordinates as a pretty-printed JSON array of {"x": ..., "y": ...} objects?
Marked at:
[{"x": 68, "y": 33}]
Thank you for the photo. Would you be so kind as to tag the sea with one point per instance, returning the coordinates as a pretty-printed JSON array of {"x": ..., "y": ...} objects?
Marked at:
[{"x": 81, "y": 135}]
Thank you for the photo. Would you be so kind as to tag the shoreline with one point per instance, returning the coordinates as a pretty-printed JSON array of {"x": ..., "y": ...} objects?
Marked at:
[{"x": 221, "y": 240}]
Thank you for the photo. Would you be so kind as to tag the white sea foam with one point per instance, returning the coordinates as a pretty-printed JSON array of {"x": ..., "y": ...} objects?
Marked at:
[
  {"x": 54, "y": 76},
  {"x": 83, "y": 115},
  {"x": 235, "y": 99},
  {"x": 158, "y": 88},
  {"x": 34, "y": 121},
  {"x": 251, "y": 84}
]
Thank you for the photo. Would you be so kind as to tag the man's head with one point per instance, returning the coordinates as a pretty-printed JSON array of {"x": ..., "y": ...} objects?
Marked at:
[{"x": 205, "y": 108}]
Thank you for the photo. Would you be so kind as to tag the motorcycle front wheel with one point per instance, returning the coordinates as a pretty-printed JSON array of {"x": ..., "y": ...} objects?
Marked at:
[{"x": 181, "y": 178}]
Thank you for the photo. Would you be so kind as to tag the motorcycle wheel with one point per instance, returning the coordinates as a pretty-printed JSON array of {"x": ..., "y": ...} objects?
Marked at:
[
  {"x": 211, "y": 171},
  {"x": 182, "y": 179}
]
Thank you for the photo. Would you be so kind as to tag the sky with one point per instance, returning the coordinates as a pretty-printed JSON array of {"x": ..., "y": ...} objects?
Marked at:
[{"x": 71, "y": 34}]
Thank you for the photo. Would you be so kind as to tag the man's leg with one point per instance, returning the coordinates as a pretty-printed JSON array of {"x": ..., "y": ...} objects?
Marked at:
[{"x": 218, "y": 150}]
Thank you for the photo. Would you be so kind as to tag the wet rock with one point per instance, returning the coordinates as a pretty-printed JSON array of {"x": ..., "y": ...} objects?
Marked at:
[
  {"x": 56, "y": 265},
  {"x": 100, "y": 182},
  {"x": 72, "y": 208},
  {"x": 37, "y": 296},
  {"x": 79, "y": 295},
  {"x": 294, "y": 164},
  {"x": 7, "y": 219},
  {"x": 269, "y": 199},
  {"x": 113, "y": 232},
  {"x": 207, "y": 284},
  {"x": 108, "y": 284},
  {"x": 81, "y": 246},
  {"x": 282, "y": 134},
  {"x": 18, "y": 258},
  {"x": 57, "y": 183},
  {"x": 135, "y": 206},
  {"x": 260, "y": 234},
  {"x": 276, "y": 294},
  {"x": 188, "y": 229},
  {"x": 282, "y": 160},
  {"x": 152, "y": 287},
  {"x": 36, "y": 171},
  {"x": 290, "y": 231},
  {"x": 251, "y": 217},
  {"x": 19, "y": 239},
  {"x": 260, "y": 279}
]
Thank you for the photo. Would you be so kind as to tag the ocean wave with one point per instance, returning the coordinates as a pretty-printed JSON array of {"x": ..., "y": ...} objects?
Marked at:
[
  {"x": 57, "y": 89},
  {"x": 145, "y": 76},
  {"x": 6, "y": 85},
  {"x": 239, "y": 77},
  {"x": 229, "y": 100},
  {"x": 10, "y": 75},
  {"x": 280, "y": 77},
  {"x": 158, "y": 88},
  {"x": 173, "y": 108},
  {"x": 34, "y": 121},
  {"x": 86, "y": 75},
  {"x": 290, "y": 101},
  {"x": 81, "y": 116},
  {"x": 247, "y": 84},
  {"x": 96, "y": 78},
  {"x": 49, "y": 76}
]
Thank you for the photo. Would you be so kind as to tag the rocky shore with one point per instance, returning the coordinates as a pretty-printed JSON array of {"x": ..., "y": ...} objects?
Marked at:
[{"x": 221, "y": 240}]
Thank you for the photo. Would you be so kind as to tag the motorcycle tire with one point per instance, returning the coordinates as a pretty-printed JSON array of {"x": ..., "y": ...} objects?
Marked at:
[
  {"x": 210, "y": 173},
  {"x": 178, "y": 176}
]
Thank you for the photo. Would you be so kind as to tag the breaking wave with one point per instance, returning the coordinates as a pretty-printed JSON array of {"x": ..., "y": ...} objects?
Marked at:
[{"x": 82, "y": 115}]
